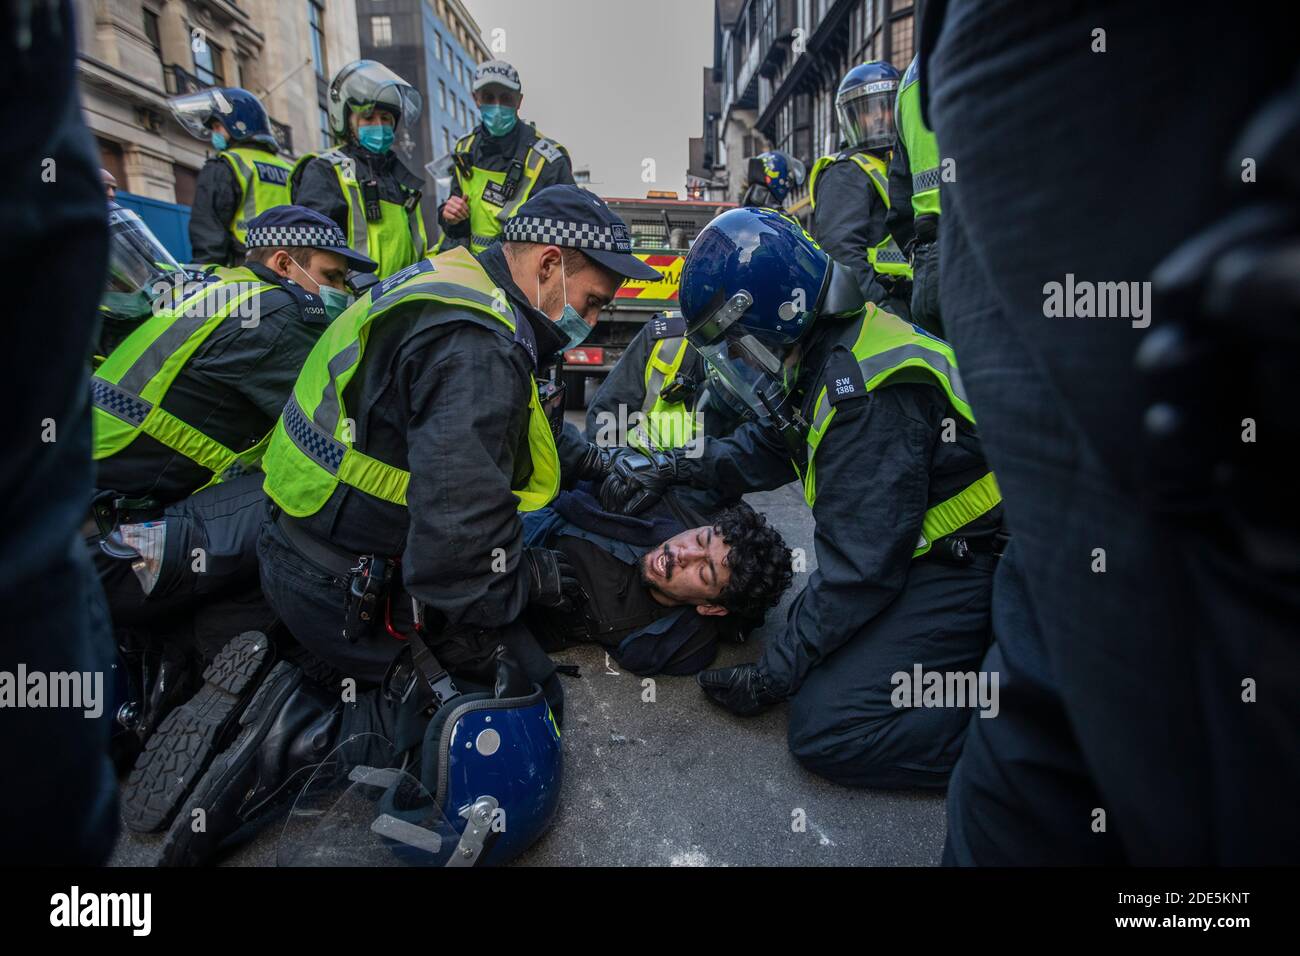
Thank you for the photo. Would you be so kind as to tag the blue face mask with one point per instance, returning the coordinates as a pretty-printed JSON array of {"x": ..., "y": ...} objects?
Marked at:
[
  {"x": 499, "y": 120},
  {"x": 377, "y": 138},
  {"x": 570, "y": 323},
  {"x": 334, "y": 301},
  {"x": 219, "y": 142}
]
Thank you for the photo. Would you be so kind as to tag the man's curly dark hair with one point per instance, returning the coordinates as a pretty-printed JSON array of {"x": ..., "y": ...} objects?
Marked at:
[{"x": 760, "y": 562}]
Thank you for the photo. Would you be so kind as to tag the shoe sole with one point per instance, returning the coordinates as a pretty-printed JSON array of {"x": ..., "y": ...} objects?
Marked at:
[
  {"x": 180, "y": 848},
  {"x": 180, "y": 750}
]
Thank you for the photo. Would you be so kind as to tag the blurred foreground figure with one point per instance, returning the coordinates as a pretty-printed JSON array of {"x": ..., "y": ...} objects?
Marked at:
[
  {"x": 1145, "y": 618},
  {"x": 59, "y": 804}
]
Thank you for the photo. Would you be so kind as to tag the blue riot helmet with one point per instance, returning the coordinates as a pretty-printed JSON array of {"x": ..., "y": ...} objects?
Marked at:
[
  {"x": 484, "y": 788},
  {"x": 774, "y": 173},
  {"x": 864, "y": 104},
  {"x": 750, "y": 290},
  {"x": 238, "y": 110}
]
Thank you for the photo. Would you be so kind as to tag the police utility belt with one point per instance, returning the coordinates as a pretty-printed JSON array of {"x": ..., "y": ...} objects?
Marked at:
[
  {"x": 961, "y": 551},
  {"x": 415, "y": 672},
  {"x": 371, "y": 580}
]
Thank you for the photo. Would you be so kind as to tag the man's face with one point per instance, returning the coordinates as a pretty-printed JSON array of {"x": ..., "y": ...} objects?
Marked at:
[
  {"x": 375, "y": 117},
  {"x": 588, "y": 290},
  {"x": 323, "y": 268},
  {"x": 690, "y": 568},
  {"x": 496, "y": 95}
]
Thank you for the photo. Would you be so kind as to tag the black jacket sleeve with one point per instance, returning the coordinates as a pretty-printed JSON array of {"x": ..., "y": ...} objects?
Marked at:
[
  {"x": 317, "y": 187},
  {"x": 899, "y": 220},
  {"x": 872, "y": 473},
  {"x": 752, "y": 458},
  {"x": 624, "y": 385},
  {"x": 469, "y": 413},
  {"x": 216, "y": 201},
  {"x": 848, "y": 220}
]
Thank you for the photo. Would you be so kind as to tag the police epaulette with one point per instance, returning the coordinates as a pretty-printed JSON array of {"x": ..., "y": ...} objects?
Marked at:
[
  {"x": 548, "y": 149},
  {"x": 843, "y": 377},
  {"x": 666, "y": 327},
  {"x": 397, "y": 278}
]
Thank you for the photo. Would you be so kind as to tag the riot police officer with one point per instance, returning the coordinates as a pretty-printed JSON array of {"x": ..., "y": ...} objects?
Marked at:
[
  {"x": 913, "y": 217},
  {"x": 870, "y": 413},
  {"x": 769, "y": 177},
  {"x": 499, "y": 164},
  {"x": 247, "y": 176},
  {"x": 849, "y": 190},
  {"x": 361, "y": 184}
]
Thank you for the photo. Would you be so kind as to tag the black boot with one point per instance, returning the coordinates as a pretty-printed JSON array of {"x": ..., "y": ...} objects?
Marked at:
[
  {"x": 180, "y": 750},
  {"x": 289, "y": 727}
]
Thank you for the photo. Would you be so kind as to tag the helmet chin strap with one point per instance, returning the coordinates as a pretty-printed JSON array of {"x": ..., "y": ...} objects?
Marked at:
[{"x": 843, "y": 295}]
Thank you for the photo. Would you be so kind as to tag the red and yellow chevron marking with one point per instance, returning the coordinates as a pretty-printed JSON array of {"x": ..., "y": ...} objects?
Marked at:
[{"x": 667, "y": 265}]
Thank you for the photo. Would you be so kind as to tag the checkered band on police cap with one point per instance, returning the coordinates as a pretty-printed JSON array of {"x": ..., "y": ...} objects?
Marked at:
[
  {"x": 574, "y": 235},
  {"x": 319, "y": 237}
]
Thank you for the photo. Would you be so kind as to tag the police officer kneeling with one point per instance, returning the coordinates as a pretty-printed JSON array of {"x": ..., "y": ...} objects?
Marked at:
[
  {"x": 394, "y": 551},
  {"x": 872, "y": 413}
]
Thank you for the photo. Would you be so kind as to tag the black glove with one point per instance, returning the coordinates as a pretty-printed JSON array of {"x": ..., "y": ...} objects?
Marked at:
[
  {"x": 552, "y": 582},
  {"x": 636, "y": 481},
  {"x": 594, "y": 464},
  {"x": 742, "y": 690}
]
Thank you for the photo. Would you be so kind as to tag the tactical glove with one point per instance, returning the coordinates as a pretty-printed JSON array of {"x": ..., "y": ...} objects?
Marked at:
[
  {"x": 552, "y": 582},
  {"x": 636, "y": 482},
  {"x": 743, "y": 690}
]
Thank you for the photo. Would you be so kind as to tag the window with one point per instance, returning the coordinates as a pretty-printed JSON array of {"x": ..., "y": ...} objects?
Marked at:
[
  {"x": 900, "y": 42},
  {"x": 463, "y": 115},
  {"x": 442, "y": 95},
  {"x": 326, "y": 139},
  {"x": 451, "y": 57},
  {"x": 446, "y": 140},
  {"x": 381, "y": 31},
  {"x": 151, "y": 30},
  {"x": 437, "y": 47},
  {"x": 314, "y": 15},
  {"x": 207, "y": 63}
]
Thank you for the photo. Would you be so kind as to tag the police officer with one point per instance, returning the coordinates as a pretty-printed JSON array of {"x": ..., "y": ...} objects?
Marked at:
[
  {"x": 499, "y": 164},
  {"x": 360, "y": 183},
  {"x": 247, "y": 176},
  {"x": 871, "y": 414},
  {"x": 415, "y": 435},
  {"x": 769, "y": 178},
  {"x": 185, "y": 403},
  {"x": 913, "y": 217},
  {"x": 849, "y": 190}
]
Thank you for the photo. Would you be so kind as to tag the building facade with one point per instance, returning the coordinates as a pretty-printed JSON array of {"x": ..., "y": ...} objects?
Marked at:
[
  {"x": 777, "y": 65},
  {"x": 133, "y": 54},
  {"x": 435, "y": 46}
]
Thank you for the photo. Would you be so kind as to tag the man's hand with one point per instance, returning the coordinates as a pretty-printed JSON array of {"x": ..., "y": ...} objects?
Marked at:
[
  {"x": 552, "y": 582},
  {"x": 595, "y": 462},
  {"x": 455, "y": 209},
  {"x": 636, "y": 481},
  {"x": 742, "y": 690}
]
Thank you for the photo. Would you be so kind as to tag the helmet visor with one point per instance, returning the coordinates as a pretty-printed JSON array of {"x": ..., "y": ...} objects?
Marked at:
[
  {"x": 139, "y": 268},
  {"x": 747, "y": 368},
  {"x": 866, "y": 114},
  {"x": 363, "y": 808},
  {"x": 195, "y": 111},
  {"x": 371, "y": 86}
]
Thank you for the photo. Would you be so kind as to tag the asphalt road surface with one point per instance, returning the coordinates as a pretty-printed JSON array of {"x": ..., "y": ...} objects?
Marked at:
[{"x": 678, "y": 781}]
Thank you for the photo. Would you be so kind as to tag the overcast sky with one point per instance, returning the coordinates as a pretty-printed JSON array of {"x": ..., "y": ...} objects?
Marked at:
[{"x": 615, "y": 81}]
